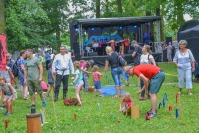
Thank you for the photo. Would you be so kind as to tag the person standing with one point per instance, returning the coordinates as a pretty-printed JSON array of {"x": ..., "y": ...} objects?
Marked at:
[
  {"x": 33, "y": 75},
  {"x": 116, "y": 69},
  {"x": 21, "y": 69},
  {"x": 137, "y": 53},
  {"x": 169, "y": 52},
  {"x": 155, "y": 77},
  {"x": 136, "y": 56},
  {"x": 126, "y": 45},
  {"x": 62, "y": 66},
  {"x": 185, "y": 63},
  {"x": 47, "y": 59}
]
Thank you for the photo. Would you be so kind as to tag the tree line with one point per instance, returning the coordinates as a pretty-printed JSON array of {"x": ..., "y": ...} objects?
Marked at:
[{"x": 33, "y": 23}]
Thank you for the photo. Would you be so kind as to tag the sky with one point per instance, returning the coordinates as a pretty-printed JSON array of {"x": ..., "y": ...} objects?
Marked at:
[{"x": 187, "y": 17}]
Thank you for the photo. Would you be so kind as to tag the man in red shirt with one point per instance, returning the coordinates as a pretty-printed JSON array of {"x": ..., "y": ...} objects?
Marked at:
[
  {"x": 152, "y": 75},
  {"x": 126, "y": 45}
]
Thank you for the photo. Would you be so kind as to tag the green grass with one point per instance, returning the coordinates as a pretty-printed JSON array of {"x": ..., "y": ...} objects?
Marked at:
[{"x": 108, "y": 119}]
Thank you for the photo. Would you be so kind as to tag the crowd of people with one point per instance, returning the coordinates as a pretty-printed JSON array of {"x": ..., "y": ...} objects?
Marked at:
[{"x": 61, "y": 66}]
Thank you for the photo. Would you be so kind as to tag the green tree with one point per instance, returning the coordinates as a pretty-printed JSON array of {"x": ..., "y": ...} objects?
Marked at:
[
  {"x": 97, "y": 8},
  {"x": 26, "y": 22},
  {"x": 2, "y": 18},
  {"x": 57, "y": 11}
]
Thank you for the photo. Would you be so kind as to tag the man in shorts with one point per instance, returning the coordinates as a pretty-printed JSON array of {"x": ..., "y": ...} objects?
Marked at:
[
  {"x": 34, "y": 75},
  {"x": 152, "y": 75}
]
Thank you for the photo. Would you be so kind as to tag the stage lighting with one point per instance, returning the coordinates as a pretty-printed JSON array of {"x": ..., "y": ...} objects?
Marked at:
[
  {"x": 134, "y": 26},
  {"x": 76, "y": 29},
  {"x": 120, "y": 27},
  {"x": 93, "y": 29}
]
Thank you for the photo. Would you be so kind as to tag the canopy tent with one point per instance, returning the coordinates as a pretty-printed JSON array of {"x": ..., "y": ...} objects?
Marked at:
[{"x": 190, "y": 32}]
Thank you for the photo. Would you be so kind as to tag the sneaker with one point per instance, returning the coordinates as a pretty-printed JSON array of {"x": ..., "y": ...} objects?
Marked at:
[
  {"x": 2, "y": 107},
  {"x": 101, "y": 95},
  {"x": 44, "y": 102},
  {"x": 150, "y": 111},
  {"x": 153, "y": 115},
  {"x": 7, "y": 114},
  {"x": 190, "y": 94},
  {"x": 179, "y": 92}
]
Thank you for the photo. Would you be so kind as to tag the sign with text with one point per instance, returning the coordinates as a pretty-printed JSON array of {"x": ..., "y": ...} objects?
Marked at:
[{"x": 3, "y": 52}]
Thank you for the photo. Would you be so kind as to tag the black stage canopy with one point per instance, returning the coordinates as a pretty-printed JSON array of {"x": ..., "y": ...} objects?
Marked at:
[
  {"x": 190, "y": 32},
  {"x": 115, "y": 21}
]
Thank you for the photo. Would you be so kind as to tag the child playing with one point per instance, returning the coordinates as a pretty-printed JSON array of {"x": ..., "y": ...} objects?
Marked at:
[
  {"x": 50, "y": 80},
  {"x": 8, "y": 94},
  {"x": 127, "y": 101},
  {"x": 85, "y": 65},
  {"x": 78, "y": 81},
  {"x": 96, "y": 79}
]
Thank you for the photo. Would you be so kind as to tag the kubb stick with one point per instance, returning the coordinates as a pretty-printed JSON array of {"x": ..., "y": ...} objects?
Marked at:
[
  {"x": 43, "y": 116},
  {"x": 54, "y": 110}
]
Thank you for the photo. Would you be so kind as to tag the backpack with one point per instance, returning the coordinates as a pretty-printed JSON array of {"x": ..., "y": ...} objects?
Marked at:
[
  {"x": 121, "y": 61},
  {"x": 15, "y": 69},
  {"x": 151, "y": 62}
]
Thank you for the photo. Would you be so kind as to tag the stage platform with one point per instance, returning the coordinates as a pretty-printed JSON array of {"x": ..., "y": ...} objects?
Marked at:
[{"x": 100, "y": 60}]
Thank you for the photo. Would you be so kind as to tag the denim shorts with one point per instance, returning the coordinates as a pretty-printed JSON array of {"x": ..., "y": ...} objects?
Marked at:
[
  {"x": 117, "y": 76},
  {"x": 97, "y": 85},
  {"x": 156, "y": 82}
]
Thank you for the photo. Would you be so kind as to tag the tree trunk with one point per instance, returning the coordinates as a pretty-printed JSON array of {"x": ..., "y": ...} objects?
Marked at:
[
  {"x": 97, "y": 8},
  {"x": 119, "y": 5},
  {"x": 2, "y": 17},
  {"x": 158, "y": 13}
]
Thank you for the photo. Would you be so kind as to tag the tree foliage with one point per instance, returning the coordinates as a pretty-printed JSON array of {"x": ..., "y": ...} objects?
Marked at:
[
  {"x": 2, "y": 18},
  {"x": 31, "y": 23},
  {"x": 25, "y": 22}
]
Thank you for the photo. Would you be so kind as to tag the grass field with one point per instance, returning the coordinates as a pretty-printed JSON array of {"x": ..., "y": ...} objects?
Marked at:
[{"x": 108, "y": 119}]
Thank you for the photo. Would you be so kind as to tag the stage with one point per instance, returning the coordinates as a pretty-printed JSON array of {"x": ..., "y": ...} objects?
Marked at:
[{"x": 100, "y": 60}]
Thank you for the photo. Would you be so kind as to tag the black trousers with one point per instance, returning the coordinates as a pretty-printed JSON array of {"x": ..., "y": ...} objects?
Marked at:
[
  {"x": 47, "y": 62},
  {"x": 64, "y": 80},
  {"x": 126, "y": 49}
]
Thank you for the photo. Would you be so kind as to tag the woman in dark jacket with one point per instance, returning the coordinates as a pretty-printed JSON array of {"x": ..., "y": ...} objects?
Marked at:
[{"x": 116, "y": 69}]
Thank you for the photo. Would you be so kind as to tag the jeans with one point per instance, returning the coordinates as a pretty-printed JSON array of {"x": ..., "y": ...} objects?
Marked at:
[
  {"x": 64, "y": 79},
  {"x": 188, "y": 75},
  {"x": 126, "y": 76},
  {"x": 117, "y": 76}
]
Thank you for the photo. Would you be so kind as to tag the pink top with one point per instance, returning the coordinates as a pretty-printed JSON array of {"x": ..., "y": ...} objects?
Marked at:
[
  {"x": 96, "y": 76},
  {"x": 44, "y": 85},
  {"x": 83, "y": 64},
  {"x": 127, "y": 102}
]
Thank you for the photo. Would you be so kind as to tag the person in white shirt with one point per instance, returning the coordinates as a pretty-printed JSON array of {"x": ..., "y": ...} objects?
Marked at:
[{"x": 62, "y": 66}]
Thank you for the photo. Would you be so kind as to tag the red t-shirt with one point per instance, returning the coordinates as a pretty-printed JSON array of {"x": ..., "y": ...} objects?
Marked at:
[
  {"x": 126, "y": 42},
  {"x": 96, "y": 76},
  {"x": 149, "y": 71},
  {"x": 127, "y": 102}
]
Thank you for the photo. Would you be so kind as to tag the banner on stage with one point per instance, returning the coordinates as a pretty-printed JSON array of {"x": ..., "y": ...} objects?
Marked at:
[{"x": 3, "y": 52}]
